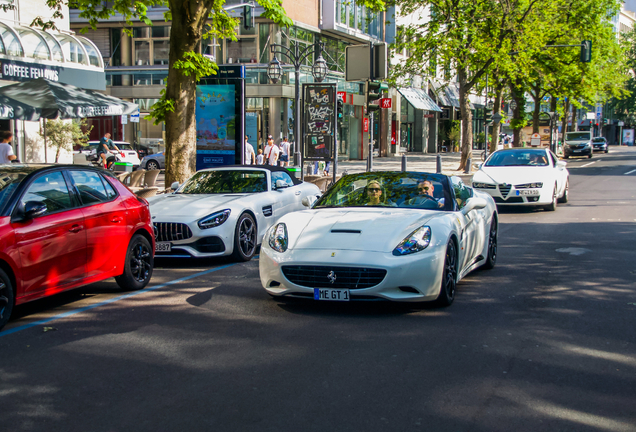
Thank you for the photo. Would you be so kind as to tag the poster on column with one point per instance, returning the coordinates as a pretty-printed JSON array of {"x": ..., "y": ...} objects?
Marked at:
[
  {"x": 628, "y": 137},
  {"x": 251, "y": 128},
  {"x": 220, "y": 122},
  {"x": 319, "y": 124}
]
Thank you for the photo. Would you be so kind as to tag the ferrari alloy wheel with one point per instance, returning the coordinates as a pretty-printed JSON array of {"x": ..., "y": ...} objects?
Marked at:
[
  {"x": 152, "y": 165},
  {"x": 245, "y": 238},
  {"x": 138, "y": 266},
  {"x": 566, "y": 193},
  {"x": 449, "y": 278},
  {"x": 491, "y": 260},
  {"x": 6, "y": 298},
  {"x": 553, "y": 205}
]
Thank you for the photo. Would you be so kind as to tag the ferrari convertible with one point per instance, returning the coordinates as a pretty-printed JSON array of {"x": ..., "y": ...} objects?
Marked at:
[
  {"x": 225, "y": 211},
  {"x": 400, "y": 236}
]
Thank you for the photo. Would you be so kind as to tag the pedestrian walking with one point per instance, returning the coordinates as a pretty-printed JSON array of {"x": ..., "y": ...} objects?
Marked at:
[
  {"x": 6, "y": 150},
  {"x": 259, "y": 157},
  {"x": 284, "y": 157},
  {"x": 250, "y": 157},
  {"x": 271, "y": 152}
]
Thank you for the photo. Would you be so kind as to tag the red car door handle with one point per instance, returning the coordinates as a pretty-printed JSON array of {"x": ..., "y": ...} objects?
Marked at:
[
  {"x": 75, "y": 228},
  {"x": 117, "y": 219}
]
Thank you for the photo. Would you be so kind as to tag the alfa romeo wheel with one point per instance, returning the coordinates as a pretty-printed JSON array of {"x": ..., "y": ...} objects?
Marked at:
[
  {"x": 449, "y": 278},
  {"x": 138, "y": 266},
  {"x": 553, "y": 205},
  {"x": 7, "y": 298},
  {"x": 566, "y": 193},
  {"x": 245, "y": 238},
  {"x": 491, "y": 260},
  {"x": 152, "y": 165}
]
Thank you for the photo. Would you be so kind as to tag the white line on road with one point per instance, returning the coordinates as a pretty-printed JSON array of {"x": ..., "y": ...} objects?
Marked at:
[
  {"x": 588, "y": 164},
  {"x": 632, "y": 171}
]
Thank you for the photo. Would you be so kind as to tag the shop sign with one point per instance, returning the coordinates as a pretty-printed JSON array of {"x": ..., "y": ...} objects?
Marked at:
[
  {"x": 429, "y": 116},
  {"x": 342, "y": 96},
  {"x": 365, "y": 125},
  {"x": 12, "y": 70},
  {"x": 385, "y": 103}
]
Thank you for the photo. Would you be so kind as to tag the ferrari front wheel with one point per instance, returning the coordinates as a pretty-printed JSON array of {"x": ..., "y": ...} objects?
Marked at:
[{"x": 449, "y": 277}]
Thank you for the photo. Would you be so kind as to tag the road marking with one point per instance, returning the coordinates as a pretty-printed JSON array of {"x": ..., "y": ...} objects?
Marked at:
[
  {"x": 588, "y": 164},
  {"x": 113, "y": 300},
  {"x": 632, "y": 171}
]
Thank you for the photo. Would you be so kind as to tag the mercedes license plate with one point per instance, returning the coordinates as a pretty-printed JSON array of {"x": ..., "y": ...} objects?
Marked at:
[
  {"x": 529, "y": 192},
  {"x": 331, "y": 294},
  {"x": 163, "y": 246}
]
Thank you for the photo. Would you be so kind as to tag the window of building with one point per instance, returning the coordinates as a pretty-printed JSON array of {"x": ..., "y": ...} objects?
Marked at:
[{"x": 151, "y": 45}]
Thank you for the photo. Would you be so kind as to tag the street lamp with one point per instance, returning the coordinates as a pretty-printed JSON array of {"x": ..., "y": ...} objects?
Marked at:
[{"x": 296, "y": 57}]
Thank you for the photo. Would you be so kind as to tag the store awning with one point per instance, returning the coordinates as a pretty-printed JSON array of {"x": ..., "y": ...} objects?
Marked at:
[
  {"x": 447, "y": 94},
  {"x": 419, "y": 99},
  {"x": 53, "y": 100}
]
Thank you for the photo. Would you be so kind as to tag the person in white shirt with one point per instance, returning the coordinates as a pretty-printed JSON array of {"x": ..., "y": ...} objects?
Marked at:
[
  {"x": 284, "y": 148},
  {"x": 250, "y": 157},
  {"x": 259, "y": 158},
  {"x": 271, "y": 152},
  {"x": 6, "y": 151}
]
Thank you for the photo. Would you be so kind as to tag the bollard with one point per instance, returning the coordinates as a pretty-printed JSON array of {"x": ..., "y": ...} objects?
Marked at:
[
  {"x": 439, "y": 164},
  {"x": 468, "y": 165},
  {"x": 403, "y": 162}
]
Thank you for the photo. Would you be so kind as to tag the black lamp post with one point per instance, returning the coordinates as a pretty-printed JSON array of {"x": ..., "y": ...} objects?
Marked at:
[{"x": 296, "y": 57}]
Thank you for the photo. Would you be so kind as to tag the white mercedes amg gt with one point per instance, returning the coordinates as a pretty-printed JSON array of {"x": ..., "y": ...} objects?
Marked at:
[
  {"x": 400, "y": 236},
  {"x": 524, "y": 177},
  {"x": 225, "y": 211}
]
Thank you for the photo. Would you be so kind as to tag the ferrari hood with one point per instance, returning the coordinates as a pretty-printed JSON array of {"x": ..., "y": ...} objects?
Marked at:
[
  {"x": 512, "y": 175},
  {"x": 377, "y": 230},
  {"x": 177, "y": 205}
]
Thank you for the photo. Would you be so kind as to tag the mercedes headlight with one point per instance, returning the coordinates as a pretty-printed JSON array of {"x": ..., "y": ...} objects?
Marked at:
[
  {"x": 537, "y": 185},
  {"x": 416, "y": 241},
  {"x": 214, "y": 220},
  {"x": 278, "y": 238}
]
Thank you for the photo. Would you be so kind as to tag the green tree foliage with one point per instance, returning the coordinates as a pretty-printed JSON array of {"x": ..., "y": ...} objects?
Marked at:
[
  {"x": 625, "y": 108},
  {"x": 64, "y": 134}
]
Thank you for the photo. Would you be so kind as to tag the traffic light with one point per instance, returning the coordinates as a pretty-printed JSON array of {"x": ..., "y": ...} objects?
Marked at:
[
  {"x": 488, "y": 114},
  {"x": 586, "y": 51},
  {"x": 340, "y": 109},
  {"x": 248, "y": 18},
  {"x": 373, "y": 94}
]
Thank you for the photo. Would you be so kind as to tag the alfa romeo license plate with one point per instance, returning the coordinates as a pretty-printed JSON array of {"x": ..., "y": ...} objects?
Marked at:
[
  {"x": 527, "y": 193},
  {"x": 163, "y": 246},
  {"x": 331, "y": 294}
]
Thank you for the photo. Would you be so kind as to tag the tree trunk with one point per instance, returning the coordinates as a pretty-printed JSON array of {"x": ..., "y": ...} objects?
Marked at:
[
  {"x": 536, "y": 113},
  {"x": 564, "y": 121},
  {"x": 496, "y": 126},
  {"x": 180, "y": 151},
  {"x": 467, "y": 119}
]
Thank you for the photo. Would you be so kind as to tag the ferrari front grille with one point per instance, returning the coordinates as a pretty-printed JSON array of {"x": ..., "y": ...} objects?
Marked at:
[
  {"x": 168, "y": 231},
  {"x": 334, "y": 276},
  {"x": 504, "y": 189}
]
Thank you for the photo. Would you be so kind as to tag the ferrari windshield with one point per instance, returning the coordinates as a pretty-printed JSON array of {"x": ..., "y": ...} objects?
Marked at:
[
  {"x": 225, "y": 182},
  {"x": 389, "y": 189},
  {"x": 521, "y": 157}
]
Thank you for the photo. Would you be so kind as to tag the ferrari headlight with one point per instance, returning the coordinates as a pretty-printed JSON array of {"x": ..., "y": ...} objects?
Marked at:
[
  {"x": 537, "y": 185},
  {"x": 214, "y": 220},
  {"x": 278, "y": 238},
  {"x": 478, "y": 185},
  {"x": 416, "y": 241}
]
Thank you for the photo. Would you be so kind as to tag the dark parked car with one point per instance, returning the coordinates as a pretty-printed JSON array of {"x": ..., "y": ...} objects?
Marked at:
[
  {"x": 64, "y": 226},
  {"x": 600, "y": 144}
]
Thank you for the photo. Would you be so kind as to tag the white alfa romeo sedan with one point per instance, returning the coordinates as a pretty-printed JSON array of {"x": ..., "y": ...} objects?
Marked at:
[
  {"x": 400, "y": 236},
  {"x": 225, "y": 211},
  {"x": 524, "y": 177}
]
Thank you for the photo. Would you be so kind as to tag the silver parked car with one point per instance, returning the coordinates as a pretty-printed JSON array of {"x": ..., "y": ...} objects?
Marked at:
[{"x": 153, "y": 161}]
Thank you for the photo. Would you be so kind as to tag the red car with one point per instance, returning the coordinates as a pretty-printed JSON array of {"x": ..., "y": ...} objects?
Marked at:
[{"x": 63, "y": 226}]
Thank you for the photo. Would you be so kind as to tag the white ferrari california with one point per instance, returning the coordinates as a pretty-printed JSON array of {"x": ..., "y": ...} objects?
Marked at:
[
  {"x": 225, "y": 211},
  {"x": 400, "y": 236},
  {"x": 524, "y": 177}
]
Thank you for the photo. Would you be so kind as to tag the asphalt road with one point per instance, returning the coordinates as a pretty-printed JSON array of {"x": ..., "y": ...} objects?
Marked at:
[{"x": 544, "y": 342}]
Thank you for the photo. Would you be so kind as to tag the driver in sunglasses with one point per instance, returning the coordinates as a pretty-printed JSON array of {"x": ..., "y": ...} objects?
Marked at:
[
  {"x": 425, "y": 191},
  {"x": 376, "y": 195}
]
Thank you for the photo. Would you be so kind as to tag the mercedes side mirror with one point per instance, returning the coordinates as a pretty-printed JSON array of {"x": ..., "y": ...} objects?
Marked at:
[{"x": 280, "y": 184}]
